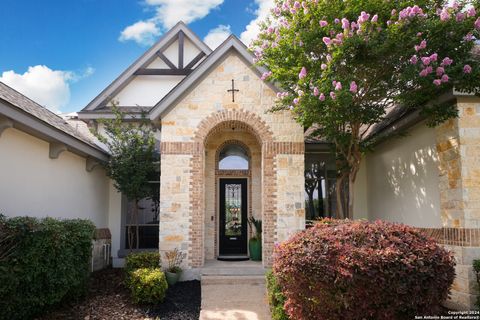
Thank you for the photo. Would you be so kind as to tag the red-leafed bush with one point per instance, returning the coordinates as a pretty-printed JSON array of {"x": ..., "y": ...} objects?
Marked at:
[{"x": 362, "y": 270}]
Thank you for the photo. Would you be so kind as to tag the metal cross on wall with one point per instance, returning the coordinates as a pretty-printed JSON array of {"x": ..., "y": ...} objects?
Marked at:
[{"x": 233, "y": 90}]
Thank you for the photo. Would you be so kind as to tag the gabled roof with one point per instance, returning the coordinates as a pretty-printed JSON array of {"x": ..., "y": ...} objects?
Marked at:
[
  {"x": 29, "y": 116},
  {"x": 231, "y": 44},
  {"x": 179, "y": 30}
]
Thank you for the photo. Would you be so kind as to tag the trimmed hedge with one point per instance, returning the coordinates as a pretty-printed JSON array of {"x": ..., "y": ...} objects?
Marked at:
[
  {"x": 276, "y": 299},
  {"x": 142, "y": 260},
  {"x": 148, "y": 285},
  {"x": 42, "y": 262},
  {"x": 362, "y": 270}
]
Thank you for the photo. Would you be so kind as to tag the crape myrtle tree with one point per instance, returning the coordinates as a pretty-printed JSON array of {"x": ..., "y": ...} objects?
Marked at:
[
  {"x": 132, "y": 161},
  {"x": 341, "y": 64}
]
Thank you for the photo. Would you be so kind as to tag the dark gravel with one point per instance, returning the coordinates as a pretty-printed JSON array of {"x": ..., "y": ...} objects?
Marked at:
[{"x": 109, "y": 299}]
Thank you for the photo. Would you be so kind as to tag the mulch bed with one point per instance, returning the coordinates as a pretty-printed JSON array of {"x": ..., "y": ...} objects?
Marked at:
[{"x": 109, "y": 299}]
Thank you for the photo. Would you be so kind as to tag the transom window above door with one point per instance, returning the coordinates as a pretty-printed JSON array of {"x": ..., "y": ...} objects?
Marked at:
[{"x": 233, "y": 157}]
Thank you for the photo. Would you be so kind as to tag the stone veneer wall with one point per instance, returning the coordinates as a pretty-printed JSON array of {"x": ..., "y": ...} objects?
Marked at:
[
  {"x": 458, "y": 146},
  {"x": 208, "y": 109}
]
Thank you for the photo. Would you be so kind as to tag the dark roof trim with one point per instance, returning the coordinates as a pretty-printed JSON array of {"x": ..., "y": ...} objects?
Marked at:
[
  {"x": 232, "y": 43},
  {"x": 150, "y": 54},
  {"x": 407, "y": 120},
  {"x": 26, "y": 122}
]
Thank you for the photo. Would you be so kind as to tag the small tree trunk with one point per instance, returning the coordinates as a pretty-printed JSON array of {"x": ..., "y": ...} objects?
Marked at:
[
  {"x": 136, "y": 223},
  {"x": 355, "y": 167},
  {"x": 351, "y": 184},
  {"x": 133, "y": 224},
  {"x": 340, "y": 214}
]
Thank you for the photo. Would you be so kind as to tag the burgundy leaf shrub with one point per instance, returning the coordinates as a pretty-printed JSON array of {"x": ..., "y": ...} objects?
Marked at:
[{"x": 342, "y": 269}]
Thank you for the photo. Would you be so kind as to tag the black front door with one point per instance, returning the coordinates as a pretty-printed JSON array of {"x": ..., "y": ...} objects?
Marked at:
[{"x": 233, "y": 217}]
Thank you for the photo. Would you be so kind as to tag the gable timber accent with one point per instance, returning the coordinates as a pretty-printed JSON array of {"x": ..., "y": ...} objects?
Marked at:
[
  {"x": 178, "y": 32},
  {"x": 231, "y": 44}
]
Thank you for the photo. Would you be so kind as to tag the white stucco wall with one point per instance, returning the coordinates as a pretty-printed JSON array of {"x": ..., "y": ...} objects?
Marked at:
[
  {"x": 146, "y": 91},
  {"x": 115, "y": 219},
  {"x": 401, "y": 179},
  {"x": 33, "y": 184}
]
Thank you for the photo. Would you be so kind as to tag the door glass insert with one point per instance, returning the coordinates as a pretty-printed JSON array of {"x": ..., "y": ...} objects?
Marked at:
[{"x": 233, "y": 210}]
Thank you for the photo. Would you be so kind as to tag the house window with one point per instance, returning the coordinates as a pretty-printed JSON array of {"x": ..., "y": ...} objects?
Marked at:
[
  {"x": 233, "y": 157},
  {"x": 145, "y": 229},
  {"x": 320, "y": 178}
]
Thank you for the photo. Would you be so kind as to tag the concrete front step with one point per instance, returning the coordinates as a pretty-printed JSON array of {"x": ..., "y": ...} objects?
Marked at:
[
  {"x": 223, "y": 271},
  {"x": 232, "y": 280}
]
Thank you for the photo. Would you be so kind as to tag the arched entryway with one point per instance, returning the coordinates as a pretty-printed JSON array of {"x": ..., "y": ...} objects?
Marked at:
[
  {"x": 248, "y": 131},
  {"x": 233, "y": 192}
]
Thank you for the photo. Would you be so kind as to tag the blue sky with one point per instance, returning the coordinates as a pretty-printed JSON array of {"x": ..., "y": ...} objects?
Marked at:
[{"x": 63, "y": 53}]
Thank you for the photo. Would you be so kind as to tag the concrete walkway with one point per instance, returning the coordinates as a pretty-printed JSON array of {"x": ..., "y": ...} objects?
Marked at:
[{"x": 234, "y": 291}]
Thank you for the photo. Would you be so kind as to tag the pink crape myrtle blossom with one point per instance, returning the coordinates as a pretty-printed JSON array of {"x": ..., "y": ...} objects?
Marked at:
[
  {"x": 440, "y": 71},
  {"x": 323, "y": 66},
  {"x": 327, "y": 41},
  {"x": 425, "y": 72},
  {"x": 477, "y": 24},
  {"x": 467, "y": 69},
  {"x": 414, "y": 59},
  {"x": 333, "y": 95},
  {"x": 363, "y": 17},
  {"x": 265, "y": 75},
  {"x": 446, "y": 62},
  {"x": 471, "y": 12},
  {"x": 468, "y": 37},
  {"x": 353, "y": 87},
  {"x": 445, "y": 78},
  {"x": 444, "y": 15},
  {"x": 315, "y": 91},
  {"x": 323, "y": 23},
  {"x": 426, "y": 61},
  {"x": 321, "y": 97},
  {"x": 437, "y": 82},
  {"x": 338, "y": 86},
  {"x": 421, "y": 46},
  {"x": 303, "y": 73}
]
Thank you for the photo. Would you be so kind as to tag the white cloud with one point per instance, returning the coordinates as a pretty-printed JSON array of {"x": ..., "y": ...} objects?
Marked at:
[
  {"x": 252, "y": 29},
  {"x": 142, "y": 32},
  {"x": 167, "y": 14},
  {"x": 49, "y": 88},
  {"x": 217, "y": 35}
]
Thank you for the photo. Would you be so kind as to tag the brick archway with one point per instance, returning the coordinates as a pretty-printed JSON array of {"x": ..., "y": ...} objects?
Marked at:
[
  {"x": 212, "y": 124},
  {"x": 226, "y": 118}
]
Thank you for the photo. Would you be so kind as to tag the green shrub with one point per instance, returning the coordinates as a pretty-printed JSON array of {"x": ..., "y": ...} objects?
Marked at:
[
  {"x": 148, "y": 285},
  {"x": 142, "y": 260},
  {"x": 42, "y": 262},
  {"x": 476, "y": 269},
  {"x": 362, "y": 270},
  {"x": 275, "y": 298}
]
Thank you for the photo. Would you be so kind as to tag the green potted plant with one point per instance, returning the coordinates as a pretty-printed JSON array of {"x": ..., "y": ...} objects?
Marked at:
[
  {"x": 174, "y": 260},
  {"x": 255, "y": 242}
]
